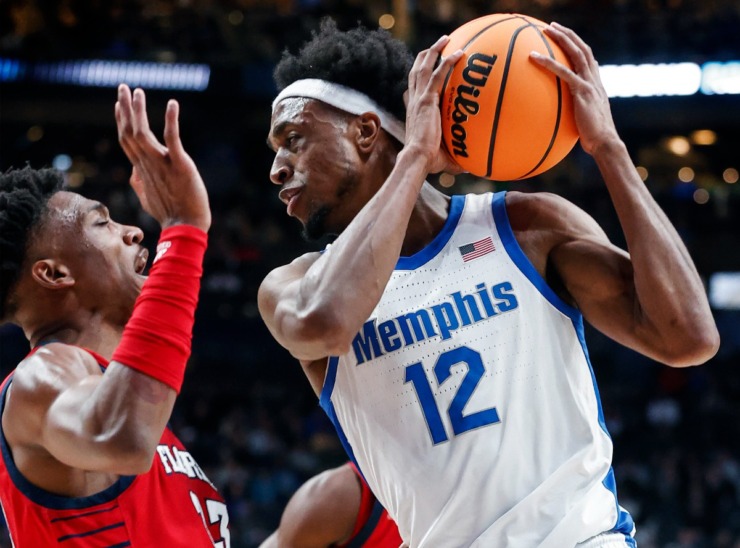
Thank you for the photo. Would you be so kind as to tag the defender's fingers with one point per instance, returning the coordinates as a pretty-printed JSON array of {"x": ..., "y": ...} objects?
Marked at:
[
  {"x": 143, "y": 136},
  {"x": 141, "y": 122},
  {"x": 172, "y": 129},
  {"x": 127, "y": 125},
  {"x": 123, "y": 112},
  {"x": 123, "y": 116}
]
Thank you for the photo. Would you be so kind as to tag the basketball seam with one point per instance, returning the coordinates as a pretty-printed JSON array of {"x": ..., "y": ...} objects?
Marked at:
[
  {"x": 556, "y": 129},
  {"x": 500, "y": 100}
]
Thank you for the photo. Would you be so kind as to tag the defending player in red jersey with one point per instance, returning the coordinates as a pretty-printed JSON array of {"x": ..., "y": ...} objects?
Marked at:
[
  {"x": 335, "y": 508},
  {"x": 87, "y": 459}
]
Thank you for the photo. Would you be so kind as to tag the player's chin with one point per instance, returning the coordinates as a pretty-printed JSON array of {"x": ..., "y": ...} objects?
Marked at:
[
  {"x": 137, "y": 284},
  {"x": 317, "y": 225}
]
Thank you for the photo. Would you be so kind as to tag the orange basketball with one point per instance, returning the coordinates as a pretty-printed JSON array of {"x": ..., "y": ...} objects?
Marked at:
[{"x": 503, "y": 116}]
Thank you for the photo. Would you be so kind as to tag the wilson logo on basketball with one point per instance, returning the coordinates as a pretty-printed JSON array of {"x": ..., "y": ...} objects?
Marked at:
[{"x": 476, "y": 75}]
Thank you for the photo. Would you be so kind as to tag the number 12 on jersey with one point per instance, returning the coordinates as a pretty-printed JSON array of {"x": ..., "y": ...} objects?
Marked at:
[{"x": 442, "y": 370}]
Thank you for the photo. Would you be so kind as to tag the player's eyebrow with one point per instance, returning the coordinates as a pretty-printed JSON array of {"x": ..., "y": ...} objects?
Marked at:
[
  {"x": 275, "y": 133},
  {"x": 98, "y": 207}
]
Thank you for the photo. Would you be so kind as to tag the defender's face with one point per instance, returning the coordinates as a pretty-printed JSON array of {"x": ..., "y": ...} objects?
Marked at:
[
  {"x": 105, "y": 258},
  {"x": 316, "y": 165}
]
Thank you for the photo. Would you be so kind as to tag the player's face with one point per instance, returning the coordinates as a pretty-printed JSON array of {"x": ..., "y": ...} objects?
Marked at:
[
  {"x": 316, "y": 164},
  {"x": 104, "y": 257}
]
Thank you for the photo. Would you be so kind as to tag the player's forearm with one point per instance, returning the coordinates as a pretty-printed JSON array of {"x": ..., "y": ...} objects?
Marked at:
[
  {"x": 346, "y": 283},
  {"x": 134, "y": 414},
  {"x": 669, "y": 289}
]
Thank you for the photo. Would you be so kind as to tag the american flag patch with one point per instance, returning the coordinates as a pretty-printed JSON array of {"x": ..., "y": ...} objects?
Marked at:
[{"x": 476, "y": 249}]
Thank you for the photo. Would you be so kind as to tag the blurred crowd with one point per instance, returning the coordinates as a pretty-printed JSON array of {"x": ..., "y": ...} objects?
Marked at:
[
  {"x": 234, "y": 31},
  {"x": 246, "y": 413}
]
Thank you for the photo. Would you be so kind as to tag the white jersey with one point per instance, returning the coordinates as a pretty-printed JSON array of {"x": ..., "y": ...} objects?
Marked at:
[{"x": 468, "y": 400}]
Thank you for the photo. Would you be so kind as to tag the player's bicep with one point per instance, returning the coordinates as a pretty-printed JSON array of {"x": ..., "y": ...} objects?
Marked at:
[
  {"x": 67, "y": 433},
  {"x": 277, "y": 302},
  {"x": 282, "y": 307},
  {"x": 49, "y": 392},
  {"x": 600, "y": 279}
]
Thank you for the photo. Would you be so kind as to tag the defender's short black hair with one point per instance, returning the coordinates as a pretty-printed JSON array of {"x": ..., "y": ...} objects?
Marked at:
[
  {"x": 370, "y": 61},
  {"x": 24, "y": 195}
]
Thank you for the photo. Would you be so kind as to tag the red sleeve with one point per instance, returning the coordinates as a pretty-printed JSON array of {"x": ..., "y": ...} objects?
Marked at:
[{"x": 366, "y": 503}]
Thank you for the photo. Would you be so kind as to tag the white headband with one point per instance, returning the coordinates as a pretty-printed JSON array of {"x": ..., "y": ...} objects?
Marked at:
[{"x": 343, "y": 98}]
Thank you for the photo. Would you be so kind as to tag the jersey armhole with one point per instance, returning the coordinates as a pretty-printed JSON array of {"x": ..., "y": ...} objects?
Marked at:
[{"x": 522, "y": 262}]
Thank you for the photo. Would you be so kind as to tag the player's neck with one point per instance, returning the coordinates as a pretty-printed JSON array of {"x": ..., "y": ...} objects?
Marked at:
[
  {"x": 100, "y": 337},
  {"x": 427, "y": 219}
]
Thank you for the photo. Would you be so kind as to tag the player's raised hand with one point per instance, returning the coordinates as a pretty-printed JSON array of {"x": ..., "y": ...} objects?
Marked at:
[
  {"x": 423, "y": 118},
  {"x": 590, "y": 100},
  {"x": 164, "y": 176}
]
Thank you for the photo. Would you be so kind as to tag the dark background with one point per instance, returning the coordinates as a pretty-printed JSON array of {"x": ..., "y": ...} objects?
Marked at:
[{"x": 246, "y": 412}]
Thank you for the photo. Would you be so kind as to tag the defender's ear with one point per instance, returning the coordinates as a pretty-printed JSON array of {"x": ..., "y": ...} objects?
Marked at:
[
  {"x": 52, "y": 274},
  {"x": 369, "y": 126}
]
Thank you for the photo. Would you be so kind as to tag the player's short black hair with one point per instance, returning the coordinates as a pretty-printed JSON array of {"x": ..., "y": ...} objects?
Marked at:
[
  {"x": 370, "y": 61},
  {"x": 24, "y": 195}
]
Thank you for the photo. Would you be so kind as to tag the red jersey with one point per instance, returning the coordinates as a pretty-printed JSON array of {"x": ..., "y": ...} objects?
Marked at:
[
  {"x": 374, "y": 528},
  {"x": 173, "y": 504}
]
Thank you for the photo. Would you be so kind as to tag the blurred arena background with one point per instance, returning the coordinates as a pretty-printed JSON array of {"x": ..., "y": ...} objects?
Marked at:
[{"x": 246, "y": 412}]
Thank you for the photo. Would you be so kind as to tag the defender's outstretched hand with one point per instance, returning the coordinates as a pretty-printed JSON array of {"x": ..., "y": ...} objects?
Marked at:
[
  {"x": 590, "y": 101},
  {"x": 164, "y": 177},
  {"x": 423, "y": 118}
]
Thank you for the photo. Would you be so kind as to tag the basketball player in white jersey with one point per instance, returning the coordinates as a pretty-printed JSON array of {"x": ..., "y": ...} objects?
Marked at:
[{"x": 444, "y": 336}]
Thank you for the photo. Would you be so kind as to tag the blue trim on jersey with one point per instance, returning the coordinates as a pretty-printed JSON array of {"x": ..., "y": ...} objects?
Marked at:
[
  {"x": 457, "y": 203},
  {"x": 44, "y": 498},
  {"x": 329, "y": 380},
  {"x": 368, "y": 528},
  {"x": 501, "y": 218},
  {"x": 625, "y": 524},
  {"x": 328, "y": 407}
]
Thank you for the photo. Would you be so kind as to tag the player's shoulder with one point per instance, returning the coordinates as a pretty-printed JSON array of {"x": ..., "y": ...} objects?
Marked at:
[
  {"x": 37, "y": 382},
  {"x": 50, "y": 369},
  {"x": 536, "y": 202},
  {"x": 55, "y": 360},
  {"x": 546, "y": 211}
]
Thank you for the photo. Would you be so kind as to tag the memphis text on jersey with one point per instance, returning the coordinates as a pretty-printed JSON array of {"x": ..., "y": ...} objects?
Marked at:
[{"x": 441, "y": 320}]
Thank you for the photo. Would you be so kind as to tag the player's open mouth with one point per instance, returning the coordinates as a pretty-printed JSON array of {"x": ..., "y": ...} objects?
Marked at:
[{"x": 141, "y": 260}]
